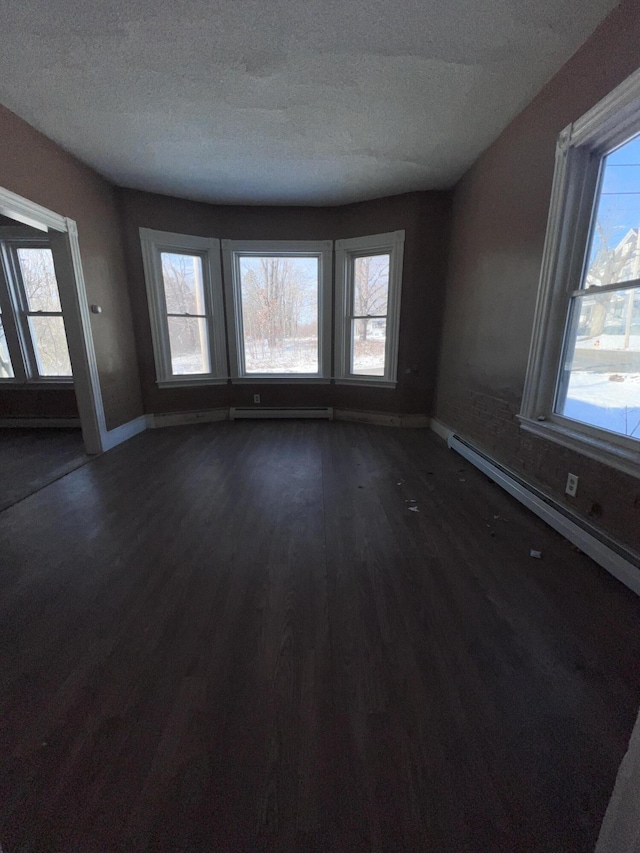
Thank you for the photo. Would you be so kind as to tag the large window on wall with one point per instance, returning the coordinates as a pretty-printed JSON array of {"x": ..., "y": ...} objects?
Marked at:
[
  {"x": 184, "y": 290},
  {"x": 368, "y": 284},
  {"x": 33, "y": 341},
  {"x": 278, "y": 297},
  {"x": 583, "y": 381}
]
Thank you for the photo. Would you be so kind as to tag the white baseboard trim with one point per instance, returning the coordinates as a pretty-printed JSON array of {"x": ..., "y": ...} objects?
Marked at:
[
  {"x": 55, "y": 423},
  {"x": 440, "y": 429},
  {"x": 169, "y": 419},
  {"x": 124, "y": 432},
  {"x": 381, "y": 418},
  {"x": 590, "y": 543}
]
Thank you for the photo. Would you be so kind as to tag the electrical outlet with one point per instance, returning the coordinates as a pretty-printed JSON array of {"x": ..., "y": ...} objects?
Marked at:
[
  {"x": 572, "y": 485},
  {"x": 256, "y": 398}
]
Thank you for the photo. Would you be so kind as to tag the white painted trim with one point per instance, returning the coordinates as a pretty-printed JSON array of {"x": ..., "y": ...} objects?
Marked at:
[
  {"x": 545, "y": 508},
  {"x": 346, "y": 251},
  {"x": 29, "y": 213},
  {"x": 169, "y": 419},
  {"x": 280, "y": 412},
  {"x": 75, "y": 306},
  {"x": 608, "y": 452},
  {"x": 373, "y": 382},
  {"x": 63, "y": 236},
  {"x": 191, "y": 382},
  {"x": 579, "y": 153},
  {"x": 39, "y": 423},
  {"x": 411, "y": 421},
  {"x": 440, "y": 429},
  {"x": 282, "y": 379},
  {"x": 231, "y": 251},
  {"x": 152, "y": 243},
  {"x": 124, "y": 432}
]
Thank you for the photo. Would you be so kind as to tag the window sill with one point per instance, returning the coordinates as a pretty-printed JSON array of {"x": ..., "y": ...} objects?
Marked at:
[
  {"x": 191, "y": 382},
  {"x": 601, "y": 449},
  {"x": 368, "y": 383},
  {"x": 38, "y": 384},
  {"x": 279, "y": 380}
]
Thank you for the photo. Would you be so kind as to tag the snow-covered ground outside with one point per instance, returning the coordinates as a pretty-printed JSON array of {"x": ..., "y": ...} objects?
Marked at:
[
  {"x": 614, "y": 405},
  {"x": 609, "y": 342},
  {"x": 294, "y": 356}
]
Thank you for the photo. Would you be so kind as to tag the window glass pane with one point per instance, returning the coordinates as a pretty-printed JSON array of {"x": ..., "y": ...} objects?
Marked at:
[
  {"x": 6, "y": 368},
  {"x": 603, "y": 378},
  {"x": 188, "y": 340},
  {"x": 614, "y": 251},
  {"x": 280, "y": 314},
  {"x": 368, "y": 345},
  {"x": 370, "y": 285},
  {"x": 50, "y": 346},
  {"x": 183, "y": 285},
  {"x": 39, "y": 277}
]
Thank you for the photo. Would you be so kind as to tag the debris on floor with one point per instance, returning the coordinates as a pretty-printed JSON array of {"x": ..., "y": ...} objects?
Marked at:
[
  {"x": 414, "y": 509},
  {"x": 537, "y": 555}
]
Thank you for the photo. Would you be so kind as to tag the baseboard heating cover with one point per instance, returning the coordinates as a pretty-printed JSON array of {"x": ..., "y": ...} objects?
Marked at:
[
  {"x": 610, "y": 555},
  {"x": 322, "y": 412}
]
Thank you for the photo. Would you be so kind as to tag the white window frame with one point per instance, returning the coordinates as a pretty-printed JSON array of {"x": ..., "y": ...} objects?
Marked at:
[
  {"x": 232, "y": 251},
  {"x": 346, "y": 253},
  {"x": 16, "y": 312},
  {"x": 153, "y": 243},
  {"x": 580, "y": 151}
]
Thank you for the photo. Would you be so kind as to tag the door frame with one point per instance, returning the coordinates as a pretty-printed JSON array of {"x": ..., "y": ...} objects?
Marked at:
[{"x": 63, "y": 234}]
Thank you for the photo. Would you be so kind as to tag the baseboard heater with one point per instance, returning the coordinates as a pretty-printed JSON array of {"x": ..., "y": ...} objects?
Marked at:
[
  {"x": 617, "y": 560},
  {"x": 255, "y": 412}
]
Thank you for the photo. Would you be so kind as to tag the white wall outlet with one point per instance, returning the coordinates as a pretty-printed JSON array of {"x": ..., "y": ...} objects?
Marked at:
[
  {"x": 572, "y": 485},
  {"x": 256, "y": 398}
]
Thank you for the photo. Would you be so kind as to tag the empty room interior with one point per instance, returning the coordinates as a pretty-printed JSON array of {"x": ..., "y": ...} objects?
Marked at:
[{"x": 320, "y": 426}]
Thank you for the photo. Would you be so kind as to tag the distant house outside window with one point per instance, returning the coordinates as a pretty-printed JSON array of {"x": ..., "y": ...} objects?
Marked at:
[{"x": 583, "y": 380}]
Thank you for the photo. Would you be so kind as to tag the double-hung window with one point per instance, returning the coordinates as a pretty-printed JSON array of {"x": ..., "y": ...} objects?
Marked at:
[
  {"x": 368, "y": 284},
  {"x": 583, "y": 381},
  {"x": 184, "y": 290},
  {"x": 278, "y": 309},
  {"x": 33, "y": 342}
]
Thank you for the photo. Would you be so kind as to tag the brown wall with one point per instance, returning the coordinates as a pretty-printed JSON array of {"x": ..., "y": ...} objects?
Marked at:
[
  {"x": 424, "y": 217},
  {"x": 499, "y": 219},
  {"x": 38, "y": 169}
]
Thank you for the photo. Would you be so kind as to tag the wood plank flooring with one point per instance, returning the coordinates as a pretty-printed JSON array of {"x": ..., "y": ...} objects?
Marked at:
[
  {"x": 239, "y": 637},
  {"x": 31, "y": 458}
]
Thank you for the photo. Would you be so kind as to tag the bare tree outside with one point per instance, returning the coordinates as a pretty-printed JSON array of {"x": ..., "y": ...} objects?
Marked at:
[
  {"x": 186, "y": 313},
  {"x": 6, "y": 369},
  {"x": 280, "y": 314},
  {"x": 47, "y": 330},
  {"x": 370, "y": 299}
]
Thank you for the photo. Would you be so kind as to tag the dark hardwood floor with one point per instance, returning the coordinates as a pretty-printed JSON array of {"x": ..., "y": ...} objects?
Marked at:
[
  {"x": 239, "y": 637},
  {"x": 31, "y": 458}
]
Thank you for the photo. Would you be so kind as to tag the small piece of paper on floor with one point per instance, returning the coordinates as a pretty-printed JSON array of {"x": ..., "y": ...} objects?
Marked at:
[
  {"x": 537, "y": 555},
  {"x": 414, "y": 509}
]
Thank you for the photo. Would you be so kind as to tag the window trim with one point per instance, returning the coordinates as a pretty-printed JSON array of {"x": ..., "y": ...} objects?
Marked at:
[
  {"x": 346, "y": 252},
  {"x": 153, "y": 243},
  {"x": 16, "y": 313},
  {"x": 231, "y": 252},
  {"x": 580, "y": 149}
]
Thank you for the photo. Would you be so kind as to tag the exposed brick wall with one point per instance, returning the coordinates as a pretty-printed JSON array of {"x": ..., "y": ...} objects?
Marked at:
[
  {"x": 606, "y": 498},
  {"x": 499, "y": 220}
]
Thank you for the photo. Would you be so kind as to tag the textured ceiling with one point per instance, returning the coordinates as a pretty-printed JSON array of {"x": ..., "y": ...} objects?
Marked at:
[{"x": 282, "y": 101}]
